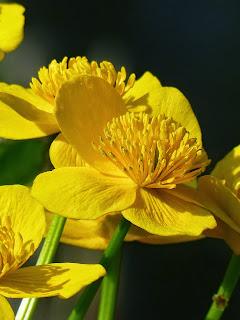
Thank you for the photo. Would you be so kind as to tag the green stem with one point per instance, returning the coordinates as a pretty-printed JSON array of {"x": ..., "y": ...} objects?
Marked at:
[
  {"x": 225, "y": 290},
  {"x": 109, "y": 290},
  {"x": 49, "y": 248},
  {"x": 89, "y": 292}
]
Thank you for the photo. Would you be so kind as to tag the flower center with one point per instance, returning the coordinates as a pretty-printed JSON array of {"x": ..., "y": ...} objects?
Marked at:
[
  {"x": 52, "y": 77},
  {"x": 155, "y": 152},
  {"x": 12, "y": 251}
]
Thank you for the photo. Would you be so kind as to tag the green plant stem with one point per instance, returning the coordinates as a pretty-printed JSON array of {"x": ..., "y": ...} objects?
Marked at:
[
  {"x": 225, "y": 290},
  {"x": 109, "y": 254},
  {"x": 49, "y": 248},
  {"x": 109, "y": 290}
]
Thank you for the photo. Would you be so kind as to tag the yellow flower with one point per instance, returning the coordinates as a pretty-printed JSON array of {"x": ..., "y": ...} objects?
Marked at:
[
  {"x": 134, "y": 163},
  {"x": 22, "y": 226},
  {"x": 11, "y": 27},
  {"x": 28, "y": 113},
  {"x": 219, "y": 193},
  {"x": 6, "y": 312}
]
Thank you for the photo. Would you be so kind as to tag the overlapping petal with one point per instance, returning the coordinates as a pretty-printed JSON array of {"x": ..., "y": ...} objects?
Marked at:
[
  {"x": 24, "y": 115},
  {"x": 96, "y": 234},
  {"x": 91, "y": 102},
  {"x": 171, "y": 102},
  {"x": 11, "y": 27},
  {"x": 25, "y": 212},
  {"x": 142, "y": 86},
  {"x": 63, "y": 154},
  {"x": 57, "y": 279},
  {"x": 83, "y": 193},
  {"x": 161, "y": 213},
  {"x": 6, "y": 312},
  {"x": 228, "y": 169},
  {"x": 213, "y": 195}
]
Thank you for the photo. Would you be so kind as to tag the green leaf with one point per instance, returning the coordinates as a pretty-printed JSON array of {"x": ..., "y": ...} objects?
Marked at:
[{"x": 21, "y": 161}]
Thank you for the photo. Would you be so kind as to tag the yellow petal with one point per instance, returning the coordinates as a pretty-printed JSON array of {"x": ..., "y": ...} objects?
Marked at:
[
  {"x": 24, "y": 115},
  {"x": 57, "y": 279},
  {"x": 164, "y": 214},
  {"x": 82, "y": 193},
  {"x": 84, "y": 105},
  {"x": 95, "y": 234},
  {"x": 224, "y": 231},
  {"x": 6, "y": 312},
  {"x": 228, "y": 169},
  {"x": 27, "y": 214},
  {"x": 142, "y": 86},
  {"x": 26, "y": 109},
  {"x": 213, "y": 195},
  {"x": 154, "y": 239},
  {"x": 171, "y": 102},
  {"x": 27, "y": 95},
  {"x": 2, "y": 55},
  {"x": 11, "y": 26},
  {"x": 63, "y": 154}
]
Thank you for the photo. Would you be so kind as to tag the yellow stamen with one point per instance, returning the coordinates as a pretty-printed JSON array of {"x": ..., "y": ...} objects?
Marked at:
[
  {"x": 52, "y": 77},
  {"x": 155, "y": 152},
  {"x": 12, "y": 251}
]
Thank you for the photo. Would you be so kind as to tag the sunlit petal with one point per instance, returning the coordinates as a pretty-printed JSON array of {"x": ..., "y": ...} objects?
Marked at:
[
  {"x": 91, "y": 102},
  {"x": 11, "y": 26},
  {"x": 58, "y": 279},
  {"x": 26, "y": 214},
  {"x": 142, "y": 86},
  {"x": 164, "y": 214},
  {"x": 82, "y": 193}
]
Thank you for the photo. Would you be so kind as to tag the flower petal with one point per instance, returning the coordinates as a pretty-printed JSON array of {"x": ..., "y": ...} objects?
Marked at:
[
  {"x": 154, "y": 239},
  {"x": 228, "y": 169},
  {"x": 63, "y": 154},
  {"x": 6, "y": 312},
  {"x": 24, "y": 115},
  {"x": 95, "y": 234},
  {"x": 11, "y": 26},
  {"x": 57, "y": 279},
  {"x": 224, "y": 231},
  {"x": 2, "y": 55},
  {"x": 164, "y": 214},
  {"x": 213, "y": 195},
  {"x": 27, "y": 95},
  {"x": 27, "y": 214},
  {"x": 171, "y": 102},
  {"x": 82, "y": 193},
  {"x": 84, "y": 105},
  {"x": 142, "y": 86}
]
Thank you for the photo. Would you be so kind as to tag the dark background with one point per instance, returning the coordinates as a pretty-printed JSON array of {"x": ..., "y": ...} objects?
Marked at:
[{"x": 191, "y": 45}]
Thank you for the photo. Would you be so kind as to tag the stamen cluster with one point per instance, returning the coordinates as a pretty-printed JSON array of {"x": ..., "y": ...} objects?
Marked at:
[
  {"x": 52, "y": 77},
  {"x": 12, "y": 251},
  {"x": 155, "y": 152}
]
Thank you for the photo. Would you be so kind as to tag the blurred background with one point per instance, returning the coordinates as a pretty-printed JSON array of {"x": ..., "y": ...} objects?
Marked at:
[{"x": 191, "y": 45}]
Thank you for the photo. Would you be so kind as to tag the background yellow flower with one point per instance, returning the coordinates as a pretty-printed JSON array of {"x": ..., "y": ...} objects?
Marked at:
[
  {"x": 11, "y": 27},
  {"x": 28, "y": 113},
  {"x": 22, "y": 226}
]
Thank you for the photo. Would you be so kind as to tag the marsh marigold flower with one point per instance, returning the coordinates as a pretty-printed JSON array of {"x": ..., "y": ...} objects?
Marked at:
[
  {"x": 29, "y": 113},
  {"x": 11, "y": 27},
  {"x": 134, "y": 160},
  {"x": 22, "y": 225},
  {"x": 219, "y": 193}
]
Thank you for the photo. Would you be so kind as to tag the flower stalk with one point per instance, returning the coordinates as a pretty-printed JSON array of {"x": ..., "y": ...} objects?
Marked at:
[
  {"x": 220, "y": 300},
  {"x": 47, "y": 254},
  {"x": 109, "y": 290},
  {"x": 106, "y": 260}
]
